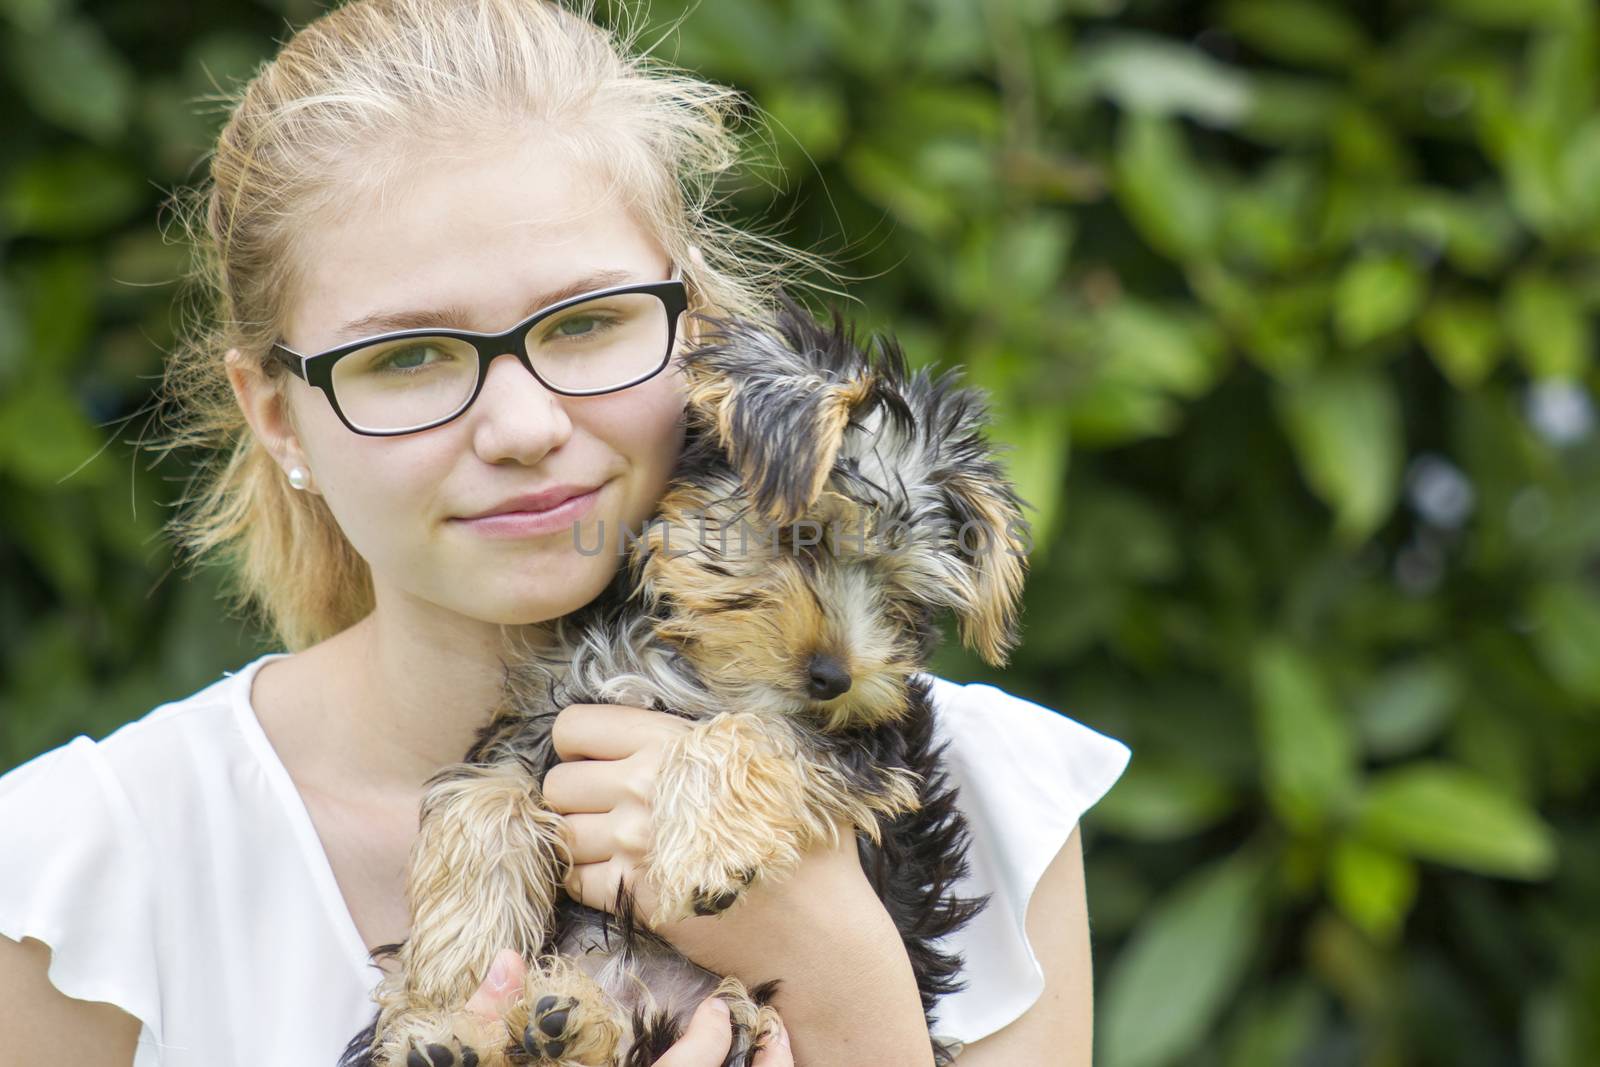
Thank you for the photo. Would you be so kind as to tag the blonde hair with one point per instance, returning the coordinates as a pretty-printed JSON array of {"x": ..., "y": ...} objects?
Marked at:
[{"x": 337, "y": 107}]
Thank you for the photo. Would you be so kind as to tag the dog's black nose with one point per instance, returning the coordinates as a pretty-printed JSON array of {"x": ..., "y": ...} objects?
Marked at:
[{"x": 828, "y": 677}]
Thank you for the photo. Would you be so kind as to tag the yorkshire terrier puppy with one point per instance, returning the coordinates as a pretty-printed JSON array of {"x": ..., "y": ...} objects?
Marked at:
[{"x": 828, "y": 508}]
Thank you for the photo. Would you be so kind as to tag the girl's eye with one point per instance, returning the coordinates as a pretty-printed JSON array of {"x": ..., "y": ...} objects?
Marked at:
[
  {"x": 409, "y": 358},
  {"x": 576, "y": 326}
]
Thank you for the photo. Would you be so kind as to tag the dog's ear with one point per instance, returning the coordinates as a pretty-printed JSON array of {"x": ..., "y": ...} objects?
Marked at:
[
  {"x": 778, "y": 402},
  {"x": 991, "y": 536}
]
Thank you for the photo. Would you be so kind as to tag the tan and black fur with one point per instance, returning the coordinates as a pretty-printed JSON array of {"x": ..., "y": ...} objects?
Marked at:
[{"x": 828, "y": 508}]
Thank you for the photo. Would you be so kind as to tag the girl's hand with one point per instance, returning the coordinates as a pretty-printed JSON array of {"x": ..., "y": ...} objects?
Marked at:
[
  {"x": 709, "y": 1037},
  {"x": 604, "y": 789},
  {"x": 798, "y": 929},
  {"x": 705, "y": 1042}
]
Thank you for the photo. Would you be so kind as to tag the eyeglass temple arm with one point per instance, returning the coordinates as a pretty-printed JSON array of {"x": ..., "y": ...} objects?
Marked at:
[{"x": 289, "y": 358}]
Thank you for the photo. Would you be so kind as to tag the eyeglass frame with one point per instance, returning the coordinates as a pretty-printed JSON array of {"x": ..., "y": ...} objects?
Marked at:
[{"x": 316, "y": 369}]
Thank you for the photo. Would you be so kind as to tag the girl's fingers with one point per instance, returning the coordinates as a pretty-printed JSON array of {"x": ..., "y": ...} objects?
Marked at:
[
  {"x": 609, "y": 731},
  {"x": 595, "y": 884},
  {"x": 706, "y": 1041},
  {"x": 776, "y": 1054},
  {"x": 588, "y": 785},
  {"x": 589, "y": 837}
]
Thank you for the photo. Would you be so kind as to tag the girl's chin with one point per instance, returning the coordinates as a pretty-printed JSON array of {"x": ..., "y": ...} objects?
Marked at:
[{"x": 528, "y": 599}]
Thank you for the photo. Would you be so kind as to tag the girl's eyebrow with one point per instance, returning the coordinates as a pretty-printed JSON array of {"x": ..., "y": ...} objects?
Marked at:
[{"x": 452, "y": 317}]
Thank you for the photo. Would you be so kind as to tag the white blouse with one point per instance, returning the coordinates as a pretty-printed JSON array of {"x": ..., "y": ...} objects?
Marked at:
[{"x": 175, "y": 872}]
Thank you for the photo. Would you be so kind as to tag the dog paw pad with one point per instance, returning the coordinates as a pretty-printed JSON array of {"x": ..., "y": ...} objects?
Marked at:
[
  {"x": 435, "y": 1055},
  {"x": 546, "y": 1034}
]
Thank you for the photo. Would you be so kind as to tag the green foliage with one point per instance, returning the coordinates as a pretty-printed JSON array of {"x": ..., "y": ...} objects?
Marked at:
[{"x": 1305, "y": 290}]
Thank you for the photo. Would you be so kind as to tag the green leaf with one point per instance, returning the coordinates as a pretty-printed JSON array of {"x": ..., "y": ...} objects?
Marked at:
[
  {"x": 1345, "y": 428},
  {"x": 1374, "y": 887},
  {"x": 1292, "y": 110},
  {"x": 1277, "y": 1024},
  {"x": 54, "y": 534},
  {"x": 1183, "y": 965},
  {"x": 809, "y": 118},
  {"x": 72, "y": 76},
  {"x": 1298, "y": 31},
  {"x": 1269, "y": 221},
  {"x": 1441, "y": 812},
  {"x": 1029, "y": 256},
  {"x": 44, "y": 436},
  {"x": 59, "y": 292},
  {"x": 1165, "y": 192},
  {"x": 70, "y": 194},
  {"x": 1580, "y": 170},
  {"x": 33, "y": 15},
  {"x": 13, "y": 336},
  {"x": 1405, "y": 707},
  {"x": 1164, "y": 801},
  {"x": 1498, "y": 13},
  {"x": 1478, "y": 231},
  {"x": 1377, "y": 295},
  {"x": 1463, "y": 337},
  {"x": 1281, "y": 327},
  {"x": 1547, "y": 325},
  {"x": 1567, "y": 622},
  {"x": 1307, "y": 745},
  {"x": 896, "y": 185},
  {"x": 1158, "y": 76},
  {"x": 1170, "y": 349},
  {"x": 1110, "y": 412},
  {"x": 1037, "y": 463}
]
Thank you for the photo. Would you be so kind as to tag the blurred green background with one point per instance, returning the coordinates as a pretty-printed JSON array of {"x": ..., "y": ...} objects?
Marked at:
[{"x": 1287, "y": 309}]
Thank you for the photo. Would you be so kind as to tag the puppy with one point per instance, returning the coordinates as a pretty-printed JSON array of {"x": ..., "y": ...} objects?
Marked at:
[{"x": 828, "y": 508}]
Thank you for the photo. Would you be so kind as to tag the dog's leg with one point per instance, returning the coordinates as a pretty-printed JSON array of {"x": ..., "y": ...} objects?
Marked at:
[
  {"x": 564, "y": 1017},
  {"x": 483, "y": 875},
  {"x": 737, "y": 799}
]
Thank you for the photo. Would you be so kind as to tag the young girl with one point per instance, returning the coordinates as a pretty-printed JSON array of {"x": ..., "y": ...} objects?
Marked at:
[{"x": 204, "y": 885}]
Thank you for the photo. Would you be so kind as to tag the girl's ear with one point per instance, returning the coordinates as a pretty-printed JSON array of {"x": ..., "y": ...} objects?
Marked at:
[{"x": 265, "y": 409}]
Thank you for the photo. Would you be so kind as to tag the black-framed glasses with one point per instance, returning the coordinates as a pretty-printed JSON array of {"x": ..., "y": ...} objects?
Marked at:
[{"x": 414, "y": 380}]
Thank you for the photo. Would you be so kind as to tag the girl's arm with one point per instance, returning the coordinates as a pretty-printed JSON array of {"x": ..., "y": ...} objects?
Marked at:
[
  {"x": 847, "y": 995},
  {"x": 1058, "y": 1030},
  {"x": 40, "y": 1025}
]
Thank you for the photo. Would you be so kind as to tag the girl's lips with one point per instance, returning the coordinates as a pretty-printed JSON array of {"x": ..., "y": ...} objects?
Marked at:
[{"x": 512, "y": 524}]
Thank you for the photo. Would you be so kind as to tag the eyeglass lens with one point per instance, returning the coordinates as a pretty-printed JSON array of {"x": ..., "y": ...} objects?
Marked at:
[{"x": 604, "y": 343}]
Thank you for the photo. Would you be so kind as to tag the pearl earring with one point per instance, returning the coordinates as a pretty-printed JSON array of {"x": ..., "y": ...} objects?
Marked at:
[{"x": 299, "y": 477}]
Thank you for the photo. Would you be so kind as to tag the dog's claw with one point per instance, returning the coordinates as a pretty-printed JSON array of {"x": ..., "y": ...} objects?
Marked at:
[
  {"x": 436, "y": 1055},
  {"x": 708, "y": 903}
]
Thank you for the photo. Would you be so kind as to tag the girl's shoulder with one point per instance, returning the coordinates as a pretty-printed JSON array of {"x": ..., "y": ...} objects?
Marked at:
[
  {"x": 147, "y": 770},
  {"x": 1025, "y": 775},
  {"x": 92, "y": 830}
]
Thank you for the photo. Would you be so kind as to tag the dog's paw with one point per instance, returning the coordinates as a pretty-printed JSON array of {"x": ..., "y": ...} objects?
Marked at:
[
  {"x": 563, "y": 1017},
  {"x": 453, "y": 1054},
  {"x": 718, "y": 900},
  {"x": 443, "y": 1039}
]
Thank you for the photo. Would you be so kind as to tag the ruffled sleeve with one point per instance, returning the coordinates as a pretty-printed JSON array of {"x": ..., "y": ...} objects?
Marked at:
[
  {"x": 1025, "y": 776},
  {"x": 76, "y": 876}
]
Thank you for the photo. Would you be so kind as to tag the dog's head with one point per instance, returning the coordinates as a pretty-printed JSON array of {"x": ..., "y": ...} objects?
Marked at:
[{"x": 829, "y": 506}]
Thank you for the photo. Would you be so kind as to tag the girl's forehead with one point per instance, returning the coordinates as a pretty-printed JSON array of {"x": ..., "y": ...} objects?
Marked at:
[{"x": 480, "y": 234}]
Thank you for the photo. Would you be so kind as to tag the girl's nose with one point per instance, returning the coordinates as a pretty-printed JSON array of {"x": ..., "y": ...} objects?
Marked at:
[{"x": 516, "y": 418}]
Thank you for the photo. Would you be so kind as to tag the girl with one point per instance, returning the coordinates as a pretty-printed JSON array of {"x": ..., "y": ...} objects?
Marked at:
[{"x": 213, "y": 876}]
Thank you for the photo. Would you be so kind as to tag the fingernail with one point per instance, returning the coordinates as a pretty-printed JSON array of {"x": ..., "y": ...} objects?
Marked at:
[
  {"x": 783, "y": 1036},
  {"x": 720, "y": 1007}
]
